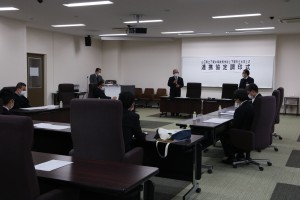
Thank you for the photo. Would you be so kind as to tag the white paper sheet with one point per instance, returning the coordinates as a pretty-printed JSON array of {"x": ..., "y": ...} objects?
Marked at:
[
  {"x": 51, "y": 165},
  {"x": 50, "y": 126},
  {"x": 41, "y": 107},
  {"x": 217, "y": 120}
]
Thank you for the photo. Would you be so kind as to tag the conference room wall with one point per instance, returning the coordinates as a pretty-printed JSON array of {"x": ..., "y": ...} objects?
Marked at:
[
  {"x": 12, "y": 48},
  {"x": 67, "y": 59}
]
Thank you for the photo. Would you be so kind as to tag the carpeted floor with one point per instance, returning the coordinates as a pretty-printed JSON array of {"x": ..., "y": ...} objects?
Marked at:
[{"x": 281, "y": 181}]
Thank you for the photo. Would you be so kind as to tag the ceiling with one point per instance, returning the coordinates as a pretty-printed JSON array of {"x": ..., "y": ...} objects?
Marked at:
[{"x": 177, "y": 15}]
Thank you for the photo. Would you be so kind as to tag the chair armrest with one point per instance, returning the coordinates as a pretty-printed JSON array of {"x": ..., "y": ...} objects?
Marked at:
[
  {"x": 52, "y": 195},
  {"x": 242, "y": 139},
  {"x": 134, "y": 156}
]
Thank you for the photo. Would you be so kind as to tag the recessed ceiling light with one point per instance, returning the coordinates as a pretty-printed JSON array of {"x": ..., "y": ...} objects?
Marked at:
[
  {"x": 177, "y": 32},
  {"x": 234, "y": 16},
  {"x": 143, "y": 21},
  {"x": 229, "y": 32},
  {"x": 8, "y": 8},
  {"x": 254, "y": 29},
  {"x": 67, "y": 25},
  {"x": 93, "y": 3},
  {"x": 113, "y": 34},
  {"x": 187, "y": 34}
]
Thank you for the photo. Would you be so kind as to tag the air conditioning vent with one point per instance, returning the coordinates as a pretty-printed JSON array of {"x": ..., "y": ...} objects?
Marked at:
[{"x": 290, "y": 20}]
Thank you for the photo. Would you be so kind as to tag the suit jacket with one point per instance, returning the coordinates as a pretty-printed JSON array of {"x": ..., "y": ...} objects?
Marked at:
[
  {"x": 131, "y": 127},
  {"x": 5, "y": 111},
  {"x": 243, "y": 116},
  {"x": 94, "y": 79},
  {"x": 245, "y": 81},
  {"x": 175, "y": 91},
  {"x": 100, "y": 93},
  {"x": 257, "y": 96},
  {"x": 21, "y": 101}
]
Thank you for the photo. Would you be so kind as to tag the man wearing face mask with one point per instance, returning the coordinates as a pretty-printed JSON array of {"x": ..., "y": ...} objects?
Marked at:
[
  {"x": 20, "y": 100},
  {"x": 175, "y": 83},
  {"x": 7, "y": 98},
  {"x": 99, "y": 91},
  {"x": 96, "y": 77},
  {"x": 246, "y": 80},
  {"x": 253, "y": 93}
]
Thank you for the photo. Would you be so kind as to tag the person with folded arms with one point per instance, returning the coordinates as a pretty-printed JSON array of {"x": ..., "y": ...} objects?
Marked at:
[{"x": 175, "y": 83}]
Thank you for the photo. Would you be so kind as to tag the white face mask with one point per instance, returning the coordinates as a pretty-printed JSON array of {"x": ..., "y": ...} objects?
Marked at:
[
  {"x": 250, "y": 97},
  {"x": 102, "y": 88},
  {"x": 176, "y": 75},
  {"x": 24, "y": 93}
]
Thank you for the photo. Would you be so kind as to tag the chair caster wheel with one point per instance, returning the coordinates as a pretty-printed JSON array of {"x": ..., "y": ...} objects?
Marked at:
[
  {"x": 198, "y": 190},
  {"x": 275, "y": 148},
  {"x": 280, "y": 138},
  {"x": 261, "y": 168},
  {"x": 269, "y": 163},
  {"x": 209, "y": 171}
]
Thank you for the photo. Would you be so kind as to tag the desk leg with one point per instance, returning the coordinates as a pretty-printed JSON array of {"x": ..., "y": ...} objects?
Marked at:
[
  {"x": 195, "y": 187},
  {"x": 142, "y": 193}
]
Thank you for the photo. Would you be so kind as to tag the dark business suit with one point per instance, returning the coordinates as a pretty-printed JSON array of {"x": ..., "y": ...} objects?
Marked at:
[
  {"x": 175, "y": 91},
  {"x": 254, "y": 100},
  {"x": 242, "y": 119},
  {"x": 245, "y": 81},
  {"x": 5, "y": 111},
  {"x": 20, "y": 101},
  {"x": 95, "y": 79},
  {"x": 131, "y": 127},
  {"x": 98, "y": 93}
]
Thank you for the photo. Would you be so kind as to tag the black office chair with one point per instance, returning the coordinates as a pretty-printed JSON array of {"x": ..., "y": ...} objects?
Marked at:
[
  {"x": 66, "y": 93},
  {"x": 277, "y": 118},
  {"x": 92, "y": 87},
  {"x": 193, "y": 90},
  {"x": 228, "y": 90}
]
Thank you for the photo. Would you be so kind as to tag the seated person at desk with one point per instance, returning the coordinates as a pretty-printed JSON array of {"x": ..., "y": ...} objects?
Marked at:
[
  {"x": 131, "y": 120},
  {"x": 7, "y": 98},
  {"x": 20, "y": 100},
  {"x": 253, "y": 93},
  {"x": 242, "y": 119},
  {"x": 246, "y": 80},
  {"x": 99, "y": 91}
]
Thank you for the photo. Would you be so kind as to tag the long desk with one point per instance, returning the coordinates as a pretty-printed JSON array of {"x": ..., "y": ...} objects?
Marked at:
[
  {"x": 183, "y": 161},
  {"x": 191, "y": 105},
  {"x": 52, "y": 115},
  {"x": 107, "y": 177}
]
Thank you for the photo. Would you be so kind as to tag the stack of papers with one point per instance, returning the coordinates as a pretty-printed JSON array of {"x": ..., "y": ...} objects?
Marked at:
[
  {"x": 50, "y": 126},
  {"x": 51, "y": 165},
  {"x": 216, "y": 120},
  {"x": 41, "y": 107},
  {"x": 230, "y": 112}
]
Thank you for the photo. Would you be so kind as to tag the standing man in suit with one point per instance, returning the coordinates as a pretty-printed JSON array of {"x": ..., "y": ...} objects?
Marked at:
[
  {"x": 246, "y": 80},
  {"x": 242, "y": 119},
  {"x": 175, "y": 83},
  {"x": 20, "y": 100},
  {"x": 96, "y": 77},
  {"x": 8, "y": 101},
  {"x": 253, "y": 93},
  {"x": 99, "y": 91}
]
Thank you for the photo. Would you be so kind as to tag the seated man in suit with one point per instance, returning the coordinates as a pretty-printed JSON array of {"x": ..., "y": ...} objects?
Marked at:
[
  {"x": 131, "y": 120},
  {"x": 246, "y": 80},
  {"x": 242, "y": 119},
  {"x": 7, "y": 98},
  {"x": 99, "y": 91},
  {"x": 253, "y": 93},
  {"x": 20, "y": 100}
]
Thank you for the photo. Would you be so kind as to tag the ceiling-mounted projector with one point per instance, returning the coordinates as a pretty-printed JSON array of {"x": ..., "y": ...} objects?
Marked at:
[{"x": 135, "y": 30}]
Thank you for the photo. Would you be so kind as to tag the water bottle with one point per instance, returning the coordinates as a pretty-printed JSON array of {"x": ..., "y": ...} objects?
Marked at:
[
  {"x": 220, "y": 109},
  {"x": 60, "y": 104},
  {"x": 194, "y": 115}
]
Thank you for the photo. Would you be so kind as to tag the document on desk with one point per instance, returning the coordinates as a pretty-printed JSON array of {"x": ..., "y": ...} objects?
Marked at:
[
  {"x": 41, "y": 107},
  {"x": 229, "y": 112},
  {"x": 51, "y": 126},
  {"x": 216, "y": 120},
  {"x": 51, "y": 165}
]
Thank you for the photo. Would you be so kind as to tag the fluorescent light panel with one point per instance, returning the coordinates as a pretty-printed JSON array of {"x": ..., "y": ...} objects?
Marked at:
[
  {"x": 67, "y": 25},
  {"x": 187, "y": 34},
  {"x": 235, "y": 16},
  {"x": 177, "y": 32},
  {"x": 8, "y": 8},
  {"x": 144, "y": 21},
  {"x": 113, "y": 34},
  {"x": 92, "y": 3},
  {"x": 228, "y": 32},
  {"x": 254, "y": 29}
]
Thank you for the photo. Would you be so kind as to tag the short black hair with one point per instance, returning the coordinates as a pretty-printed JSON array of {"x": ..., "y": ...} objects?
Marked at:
[
  {"x": 251, "y": 87},
  {"x": 20, "y": 85},
  {"x": 100, "y": 82},
  {"x": 126, "y": 98},
  {"x": 6, "y": 95},
  {"x": 97, "y": 69},
  {"x": 241, "y": 94},
  {"x": 246, "y": 71}
]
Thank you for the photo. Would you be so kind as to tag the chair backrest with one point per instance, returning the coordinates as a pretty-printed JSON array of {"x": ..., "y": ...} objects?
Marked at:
[
  {"x": 281, "y": 90},
  {"x": 92, "y": 87},
  {"x": 276, "y": 94},
  {"x": 66, "y": 93},
  {"x": 148, "y": 93},
  {"x": 10, "y": 88},
  {"x": 228, "y": 90},
  {"x": 18, "y": 178},
  {"x": 110, "y": 82},
  {"x": 138, "y": 93},
  {"x": 128, "y": 88},
  {"x": 161, "y": 92},
  {"x": 96, "y": 127},
  {"x": 1, "y": 106},
  {"x": 193, "y": 90},
  {"x": 263, "y": 121}
]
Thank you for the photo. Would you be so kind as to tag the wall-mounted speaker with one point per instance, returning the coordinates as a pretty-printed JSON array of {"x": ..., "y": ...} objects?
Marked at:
[{"x": 88, "y": 41}]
